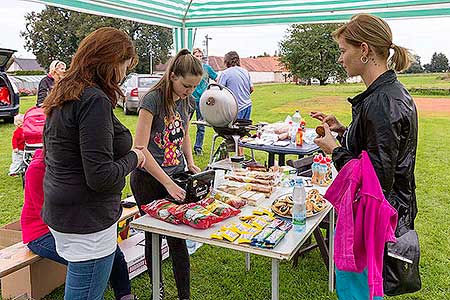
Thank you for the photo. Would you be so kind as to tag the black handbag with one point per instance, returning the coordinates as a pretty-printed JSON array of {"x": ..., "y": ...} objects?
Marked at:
[{"x": 401, "y": 265}]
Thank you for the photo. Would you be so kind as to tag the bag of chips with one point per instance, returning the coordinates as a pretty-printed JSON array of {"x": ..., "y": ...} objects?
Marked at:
[
  {"x": 195, "y": 215},
  {"x": 160, "y": 209},
  {"x": 219, "y": 208}
]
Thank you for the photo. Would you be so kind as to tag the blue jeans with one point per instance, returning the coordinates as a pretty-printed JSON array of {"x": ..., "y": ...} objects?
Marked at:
[
  {"x": 245, "y": 113},
  {"x": 87, "y": 280},
  {"x": 199, "y": 137},
  {"x": 119, "y": 279}
]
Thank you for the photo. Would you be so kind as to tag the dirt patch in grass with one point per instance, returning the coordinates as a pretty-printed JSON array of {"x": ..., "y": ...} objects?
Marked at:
[
  {"x": 433, "y": 106},
  {"x": 332, "y": 104}
]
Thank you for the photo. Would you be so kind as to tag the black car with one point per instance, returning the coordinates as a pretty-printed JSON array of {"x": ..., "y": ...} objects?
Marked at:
[{"x": 9, "y": 95}]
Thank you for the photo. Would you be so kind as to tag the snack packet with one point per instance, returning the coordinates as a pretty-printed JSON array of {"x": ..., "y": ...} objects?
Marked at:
[
  {"x": 230, "y": 199},
  {"x": 160, "y": 209},
  {"x": 219, "y": 208},
  {"x": 195, "y": 215},
  {"x": 274, "y": 238}
]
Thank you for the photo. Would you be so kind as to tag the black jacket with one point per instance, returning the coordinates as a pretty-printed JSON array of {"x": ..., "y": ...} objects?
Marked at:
[
  {"x": 87, "y": 158},
  {"x": 384, "y": 123},
  {"x": 45, "y": 86}
]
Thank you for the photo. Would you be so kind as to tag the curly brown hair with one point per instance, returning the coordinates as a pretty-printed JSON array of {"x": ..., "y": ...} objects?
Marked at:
[{"x": 96, "y": 63}]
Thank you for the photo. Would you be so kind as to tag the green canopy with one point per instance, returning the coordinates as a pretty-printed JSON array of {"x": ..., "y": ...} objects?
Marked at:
[{"x": 184, "y": 15}]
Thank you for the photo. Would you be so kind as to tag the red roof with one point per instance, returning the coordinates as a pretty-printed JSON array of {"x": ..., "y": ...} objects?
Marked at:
[{"x": 259, "y": 64}]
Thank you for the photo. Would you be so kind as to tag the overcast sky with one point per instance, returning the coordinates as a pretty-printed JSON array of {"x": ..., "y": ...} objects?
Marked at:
[{"x": 423, "y": 36}]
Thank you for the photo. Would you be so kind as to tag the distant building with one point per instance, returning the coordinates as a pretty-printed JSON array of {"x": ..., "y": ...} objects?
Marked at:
[
  {"x": 262, "y": 69},
  {"x": 25, "y": 64}
]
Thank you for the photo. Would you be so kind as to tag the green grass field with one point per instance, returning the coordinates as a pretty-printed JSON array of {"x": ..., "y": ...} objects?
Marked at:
[{"x": 220, "y": 274}]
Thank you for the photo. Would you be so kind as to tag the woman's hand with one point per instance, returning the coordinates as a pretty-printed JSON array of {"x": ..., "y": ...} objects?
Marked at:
[
  {"x": 194, "y": 169},
  {"x": 326, "y": 143},
  {"x": 177, "y": 193},
  {"x": 140, "y": 156},
  {"x": 330, "y": 120}
]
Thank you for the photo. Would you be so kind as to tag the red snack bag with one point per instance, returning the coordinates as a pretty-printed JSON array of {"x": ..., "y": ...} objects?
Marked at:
[
  {"x": 219, "y": 208},
  {"x": 195, "y": 215},
  {"x": 160, "y": 209}
]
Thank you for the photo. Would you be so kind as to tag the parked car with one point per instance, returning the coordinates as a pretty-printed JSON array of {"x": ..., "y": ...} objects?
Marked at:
[
  {"x": 134, "y": 87},
  {"x": 9, "y": 94}
]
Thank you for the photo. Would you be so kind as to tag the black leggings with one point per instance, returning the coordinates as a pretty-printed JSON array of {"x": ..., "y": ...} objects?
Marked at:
[{"x": 145, "y": 190}]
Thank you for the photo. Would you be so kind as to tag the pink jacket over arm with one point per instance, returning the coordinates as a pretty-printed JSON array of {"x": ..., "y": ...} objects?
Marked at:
[{"x": 366, "y": 221}]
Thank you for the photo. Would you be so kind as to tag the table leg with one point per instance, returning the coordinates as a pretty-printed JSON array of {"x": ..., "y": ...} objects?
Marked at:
[
  {"x": 247, "y": 261},
  {"x": 281, "y": 159},
  {"x": 271, "y": 159},
  {"x": 156, "y": 265},
  {"x": 275, "y": 278},
  {"x": 331, "y": 252}
]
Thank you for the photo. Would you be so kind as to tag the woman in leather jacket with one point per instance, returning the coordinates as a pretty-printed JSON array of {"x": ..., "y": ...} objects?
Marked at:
[{"x": 384, "y": 116}]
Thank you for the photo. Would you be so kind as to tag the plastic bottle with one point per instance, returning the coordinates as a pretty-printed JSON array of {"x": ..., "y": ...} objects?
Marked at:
[
  {"x": 299, "y": 137},
  {"x": 297, "y": 118},
  {"x": 299, "y": 208}
]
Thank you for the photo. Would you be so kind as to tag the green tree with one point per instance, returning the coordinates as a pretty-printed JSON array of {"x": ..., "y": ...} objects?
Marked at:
[
  {"x": 416, "y": 66},
  {"x": 55, "y": 33},
  {"x": 309, "y": 51},
  {"x": 439, "y": 62}
]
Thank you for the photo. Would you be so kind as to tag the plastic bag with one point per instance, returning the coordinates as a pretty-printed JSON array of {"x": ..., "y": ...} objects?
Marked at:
[
  {"x": 195, "y": 215},
  {"x": 219, "y": 208},
  {"x": 160, "y": 209}
]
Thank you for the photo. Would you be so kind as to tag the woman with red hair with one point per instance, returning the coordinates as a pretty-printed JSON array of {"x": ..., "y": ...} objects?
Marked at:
[{"x": 88, "y": 154}]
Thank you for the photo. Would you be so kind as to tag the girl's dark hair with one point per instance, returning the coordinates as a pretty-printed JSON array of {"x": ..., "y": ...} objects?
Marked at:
[
  {"x": 96, "y": 63},
  {"x": 183, "y": 64}
]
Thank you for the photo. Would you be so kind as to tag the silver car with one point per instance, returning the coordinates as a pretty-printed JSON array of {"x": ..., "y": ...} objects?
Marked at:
[{"x": 134, "y": 87}]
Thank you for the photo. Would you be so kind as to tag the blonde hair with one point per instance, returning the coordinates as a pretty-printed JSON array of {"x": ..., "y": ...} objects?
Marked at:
[
  {"x": 54, "y": 64},
  {"x": 183, "y": 64},
  {"x": 374, "y": 31},
  {"x": 18, "y": 120}
]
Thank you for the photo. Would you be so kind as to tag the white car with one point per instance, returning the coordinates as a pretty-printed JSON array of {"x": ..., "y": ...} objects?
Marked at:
[{"x": 134, "y": 87}]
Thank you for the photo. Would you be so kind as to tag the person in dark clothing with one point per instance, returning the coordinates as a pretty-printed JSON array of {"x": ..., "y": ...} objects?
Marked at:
[
  {"x": 37, "y": 236},
  {"x": 88, "y": 154},
  {"x": 56, "y": 72},
  {"x": 384, "y": 124},
  {"x": 163, "y": 131},
  {"x": 384, "y": 116}
]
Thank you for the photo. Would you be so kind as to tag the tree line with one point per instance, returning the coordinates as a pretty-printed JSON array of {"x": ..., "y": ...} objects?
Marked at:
[
  {"x": 309, "y": 51},
  {"x": 439, "y": 63},
  {"x": 55, "y": 33}
]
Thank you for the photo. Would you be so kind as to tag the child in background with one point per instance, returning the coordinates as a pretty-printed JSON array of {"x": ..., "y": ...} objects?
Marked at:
[{"x": 18, "y": 144}]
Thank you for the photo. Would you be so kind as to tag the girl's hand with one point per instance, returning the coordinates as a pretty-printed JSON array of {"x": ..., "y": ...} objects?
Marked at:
[
  {"x": 194, "y": 169},
  {"x": 326, "y": 143},
  {"x": 177, "y": 193}
]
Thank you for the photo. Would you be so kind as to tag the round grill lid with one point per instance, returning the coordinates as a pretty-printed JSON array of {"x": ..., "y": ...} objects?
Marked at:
[{"x": 218, "y": 106}]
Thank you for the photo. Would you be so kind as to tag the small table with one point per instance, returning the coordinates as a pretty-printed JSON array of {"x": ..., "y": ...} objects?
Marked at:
[
  {"x": 283, "y": 251},
  {"x": 301, "y": 151}
]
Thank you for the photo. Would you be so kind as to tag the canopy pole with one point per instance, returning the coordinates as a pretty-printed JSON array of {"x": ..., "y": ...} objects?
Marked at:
[
  {"x": 190, "y": 39},
  {"x": 176, "y": 43},
  {"x": 183, "y": 36}
]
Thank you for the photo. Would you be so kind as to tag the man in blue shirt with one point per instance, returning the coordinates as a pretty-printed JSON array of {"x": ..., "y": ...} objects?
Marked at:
[
  {"x": 208, "y": 73},
  {"x": 238, "y": 80}
]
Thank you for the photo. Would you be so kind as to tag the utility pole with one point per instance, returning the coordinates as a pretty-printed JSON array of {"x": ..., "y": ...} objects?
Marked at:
[
  {"x": 150, "y": 58},
  {"x": 206, "y": 43}
]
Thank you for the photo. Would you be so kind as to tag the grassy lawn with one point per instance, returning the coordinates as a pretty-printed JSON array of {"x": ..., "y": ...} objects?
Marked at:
[{"x": 220, "y": 274}]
